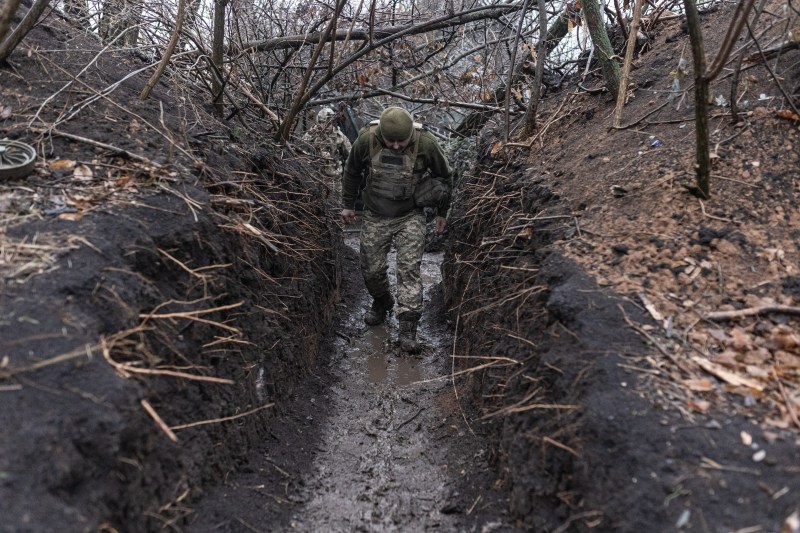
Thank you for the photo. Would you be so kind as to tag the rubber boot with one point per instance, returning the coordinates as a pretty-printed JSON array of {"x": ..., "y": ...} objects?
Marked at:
[
  {"x": 376, "y": 314},
  {"x": 407, "y": 336}
]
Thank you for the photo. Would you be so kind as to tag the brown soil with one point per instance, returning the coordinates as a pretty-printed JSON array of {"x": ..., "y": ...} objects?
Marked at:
[
  {"x": 585, "y": 246},
  {"x": 610, "y": 401}
]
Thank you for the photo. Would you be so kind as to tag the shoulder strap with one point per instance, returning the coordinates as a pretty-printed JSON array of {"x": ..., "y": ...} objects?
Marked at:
[{"x": 374, "y": 143}]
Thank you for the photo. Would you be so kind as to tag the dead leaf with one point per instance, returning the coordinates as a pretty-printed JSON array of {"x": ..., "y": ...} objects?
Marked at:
[
  {"x": 701, "y": 406},
  {"x": 699, "y": 385},
  {"x": 525, "y": 233},
  {"x": 5, "y": 112},
  {"x": 772, "y": 254},
  {"x": 747, "y": 439},
  {"x": 83, "y": 173},
  {"x": 496, "y": 147},
  {"x": 757, "y": 372},
  {"x": 726, "y": 375},
  {"x": 62, "y": 164},
  {"x": 787, "y": 360},
  {"x": 71, "y": 216},
  {"x": 740, "y": 340},
  {"x": 124, "y": 180},
  {"x": 658, "y": 317},
  {"x": 784, "y": 338},
  {"x": 759, "y": 356},
  {"x": 792, "y": 523},
  {"x": 788, "y": 115}
]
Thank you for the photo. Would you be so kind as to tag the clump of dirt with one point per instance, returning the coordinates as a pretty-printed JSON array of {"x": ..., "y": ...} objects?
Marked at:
[
  {"x": 165, "y": 281},
  {"x": 582, "y": 260}
]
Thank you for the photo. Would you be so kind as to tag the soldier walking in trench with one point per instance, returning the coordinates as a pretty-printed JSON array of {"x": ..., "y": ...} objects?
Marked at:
[
  {"x": 333, "y": 146},
  {"x": 406, "y": 171}
]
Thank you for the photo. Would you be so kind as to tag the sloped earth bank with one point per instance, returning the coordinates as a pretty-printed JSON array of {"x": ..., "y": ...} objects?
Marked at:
[
  {"x": 158, "y": 309},
  {"x": 582, "y": 270}
]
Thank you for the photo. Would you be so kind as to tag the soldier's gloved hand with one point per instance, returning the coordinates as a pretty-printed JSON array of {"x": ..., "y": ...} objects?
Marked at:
[
  {"x": 441, "y": 223},
  {"x": 348, "y": 216}
]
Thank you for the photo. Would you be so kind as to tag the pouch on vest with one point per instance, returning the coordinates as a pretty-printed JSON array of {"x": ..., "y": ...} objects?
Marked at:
[{"x": 430, "y": 192}]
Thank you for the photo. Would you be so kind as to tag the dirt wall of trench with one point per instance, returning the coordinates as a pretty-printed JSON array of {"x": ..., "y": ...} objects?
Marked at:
[
  {"x": 579, "y": 445},
  {"x": 78, "y": 450}
]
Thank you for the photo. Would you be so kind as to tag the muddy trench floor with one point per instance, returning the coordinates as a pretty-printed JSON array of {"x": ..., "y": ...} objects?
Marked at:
[{"x": 377, "y": 440}]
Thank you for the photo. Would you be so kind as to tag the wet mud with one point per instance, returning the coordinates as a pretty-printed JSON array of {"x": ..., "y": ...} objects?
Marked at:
[{"x": 385, "y": 443}]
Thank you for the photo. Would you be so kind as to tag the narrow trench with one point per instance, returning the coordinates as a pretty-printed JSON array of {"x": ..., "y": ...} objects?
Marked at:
[
  {"x": 381, "y": 468},
  {"x": 392, "y": 447}
]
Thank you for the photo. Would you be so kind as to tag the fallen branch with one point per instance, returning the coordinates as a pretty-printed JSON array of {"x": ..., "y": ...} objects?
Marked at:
[
  {"x": 6, "y": 14},
  {"x": 173, "y": 42},
  {"x": 753, "y": 311},
  {"x": 114, "y": 149}
]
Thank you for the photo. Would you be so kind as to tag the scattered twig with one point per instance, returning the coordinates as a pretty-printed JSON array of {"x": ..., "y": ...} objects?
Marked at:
[
  {"x": 711, "y": 464},
  {"x": 125, "y": 369},
  {"x": 703, "y": 209},
  {"x": 159, "y": 421},
  {"x": 111, "y": 148},
  {"x": 409, "y": 420},
  {"x": 560, "y": 445},
  {"x": 83, "y": 351},
  {"x": 753, "y": 311},
  {"x": 472, "y": 507},
  {"x": 566, "y": 525},
  {"x": 218, "y": 420},
  {"x": 654, "y": 342}
]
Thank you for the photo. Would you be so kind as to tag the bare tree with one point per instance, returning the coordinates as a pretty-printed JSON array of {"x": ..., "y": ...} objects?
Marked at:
[
  {"x": 6, "y": 14},
  {"x": 217, "y": 53},
  {"x": 605, "y": 53},
  {"x": 702, "y": 80},
  {"x": 19, "y": 33},
  {"x": 118, "y": 18},
  {"x": 533, "y": 103}
]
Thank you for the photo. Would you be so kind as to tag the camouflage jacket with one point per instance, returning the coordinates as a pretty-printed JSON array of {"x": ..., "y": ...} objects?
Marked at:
[
  {"x": 332, "y": 145},
  {"x": 429, "y": 159}
]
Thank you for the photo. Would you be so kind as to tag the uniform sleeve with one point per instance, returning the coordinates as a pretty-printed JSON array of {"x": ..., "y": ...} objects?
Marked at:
[
  {"x": 439, "y": 168},
  {"x": 357, "y": 164}
]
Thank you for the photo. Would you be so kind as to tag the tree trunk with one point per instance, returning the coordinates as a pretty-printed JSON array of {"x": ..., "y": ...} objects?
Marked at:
[
  {"x": 217, "y": 49},
  {"x": 19, "y": 33},
  {"x": 605, "y": 53},
  {"x": 703, "y": 164},
  {"x": 76, "y": 10},
  {"x": 9, "y": 8},
  {"x": 533, "y": 103},
  {"x": 626, "y": 69},
  {"x": 173, "y": 42}
]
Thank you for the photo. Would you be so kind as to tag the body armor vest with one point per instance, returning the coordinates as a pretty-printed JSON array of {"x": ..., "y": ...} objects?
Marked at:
[{"x": 392, "y": 175}]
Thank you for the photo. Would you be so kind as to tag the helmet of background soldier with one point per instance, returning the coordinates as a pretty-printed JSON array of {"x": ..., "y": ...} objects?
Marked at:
[
  {"x": 324, "y": 115},
  {"x": 396, "y": 124}
]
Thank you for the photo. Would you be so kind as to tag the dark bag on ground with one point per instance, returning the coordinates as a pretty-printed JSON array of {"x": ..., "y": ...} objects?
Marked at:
[{"x": 430, "y": 192}]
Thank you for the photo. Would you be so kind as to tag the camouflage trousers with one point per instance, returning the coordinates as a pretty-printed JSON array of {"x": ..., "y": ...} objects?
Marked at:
[
  {"x": 408, "y": 234},
  {"x": 332, "y": 177}
]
